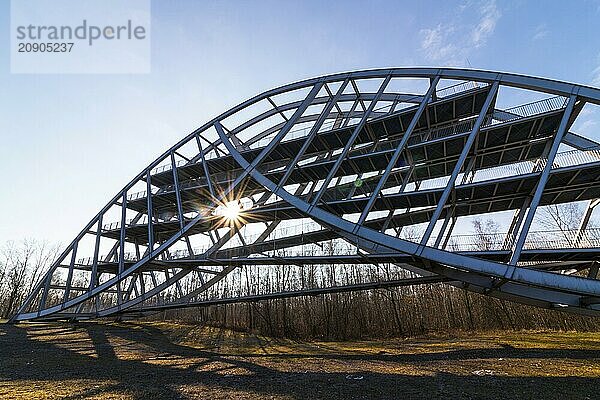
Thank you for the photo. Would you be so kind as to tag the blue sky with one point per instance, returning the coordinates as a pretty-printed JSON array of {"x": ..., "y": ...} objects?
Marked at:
[{"x": 70, "y": 142}]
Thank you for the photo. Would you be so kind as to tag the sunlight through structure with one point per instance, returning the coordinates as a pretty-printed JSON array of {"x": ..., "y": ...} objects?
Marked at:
[
  {"x": 374, "y": 175},
  {"x": 232, "y": 211}
]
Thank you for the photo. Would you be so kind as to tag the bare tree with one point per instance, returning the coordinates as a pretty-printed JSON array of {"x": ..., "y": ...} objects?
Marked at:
[
  {"x": 486, "y": 234},
  {"x": 21, "y": 266},
  {"x": 564, "y": 218}
]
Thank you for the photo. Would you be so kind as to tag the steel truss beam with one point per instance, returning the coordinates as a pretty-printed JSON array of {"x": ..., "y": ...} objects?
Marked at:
[{"x": 275, "y": 161}]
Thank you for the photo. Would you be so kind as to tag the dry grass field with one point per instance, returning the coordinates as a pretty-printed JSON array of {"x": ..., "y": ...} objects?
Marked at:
[{"x": 178, "y": 361}]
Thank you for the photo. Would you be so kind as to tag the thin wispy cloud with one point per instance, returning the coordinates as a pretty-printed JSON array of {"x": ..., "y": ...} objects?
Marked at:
[
  {"x": 487, "y": 23},
  {"x": 452, "y": 42},
  {"x": 541, "y": 31},
  {"x": 596, "y": 73},
  {"x": 438, "y": 45},
  {"x": 596, "y": 76}
]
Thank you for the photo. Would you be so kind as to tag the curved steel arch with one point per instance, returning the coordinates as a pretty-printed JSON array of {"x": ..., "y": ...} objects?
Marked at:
[{"x": 347, "y": 135}]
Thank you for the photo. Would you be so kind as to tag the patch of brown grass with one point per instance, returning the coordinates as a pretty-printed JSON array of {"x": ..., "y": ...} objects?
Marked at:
[{"x": 175, "y": 360}]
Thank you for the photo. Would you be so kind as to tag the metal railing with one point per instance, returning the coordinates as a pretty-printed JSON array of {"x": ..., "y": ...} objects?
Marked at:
[
  {"x": 167, "y": 167},
  {"x": 536, "y": 240},
  {"x": 291, "y": 135},
  {"x": 527, "y": 110},
  {"x": 128, "y": 222},
  {"x": 302, "y": 132},
  {"x": 137, "y": 195},
  {"x": 442, "y": 132},
  {"x": 564, "y": 159},
  {"x": 458, "y": 88},
  {"x": 508, "y": 115},
  {"x": 442, "y": 93},
  {"x": 129, "y": 257},
  {"x": 498, "y": 117},
  {"x": 512, "y": 114}
]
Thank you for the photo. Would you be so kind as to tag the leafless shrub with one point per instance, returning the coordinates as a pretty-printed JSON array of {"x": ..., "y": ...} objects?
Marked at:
[{"x": 21, "y": 266}]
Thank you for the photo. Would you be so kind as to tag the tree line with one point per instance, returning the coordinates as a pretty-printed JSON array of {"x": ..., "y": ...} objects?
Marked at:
[
  {"x": 402, "y": 311},
  {"x": 22, "y": 264}
]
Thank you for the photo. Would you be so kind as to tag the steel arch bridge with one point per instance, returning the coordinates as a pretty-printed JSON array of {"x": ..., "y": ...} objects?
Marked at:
[{"x": 369, "y": 171}]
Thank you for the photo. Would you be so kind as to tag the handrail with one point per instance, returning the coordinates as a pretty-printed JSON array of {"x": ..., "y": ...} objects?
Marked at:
[
  {"x": 519, "y": 112},
  {"x": 301, "y": 132},
  {"x": 536, "y": 240},
  {"x": 563, "y": 159},
  {"x": 459, "y": 88},
  {"x": 527, "y": 110}
]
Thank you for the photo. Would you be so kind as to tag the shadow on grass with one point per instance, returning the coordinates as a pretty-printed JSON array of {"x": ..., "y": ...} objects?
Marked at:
[{"x": 168, "y": 370}]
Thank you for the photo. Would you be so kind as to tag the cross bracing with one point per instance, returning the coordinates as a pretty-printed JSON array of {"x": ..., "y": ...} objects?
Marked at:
[{"x": 368, "y": 172}]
